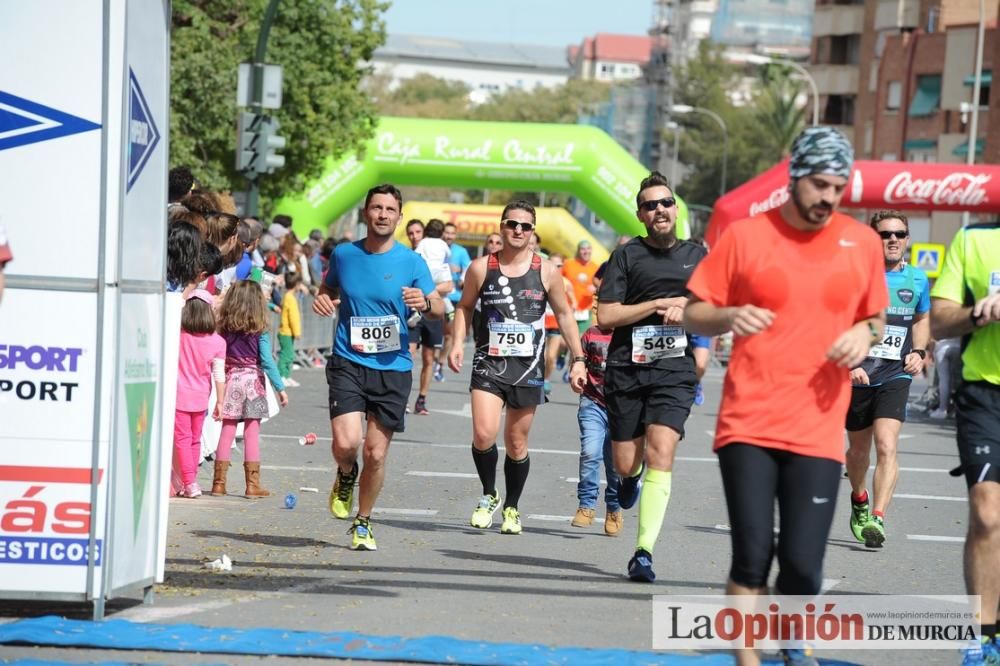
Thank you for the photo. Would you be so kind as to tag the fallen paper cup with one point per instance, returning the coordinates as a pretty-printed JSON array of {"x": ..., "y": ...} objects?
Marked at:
[
  {"x": 308, "y": 490},
  {"x": 308, "y": 440},
  {"x": 221, "y": 564}
]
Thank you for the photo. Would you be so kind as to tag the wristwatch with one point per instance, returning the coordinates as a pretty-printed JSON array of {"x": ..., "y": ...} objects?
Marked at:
[
  {"x": 579, "y": 359},
  {"x": 427, "y": 302},
  {"x": 922, "y": 353}
]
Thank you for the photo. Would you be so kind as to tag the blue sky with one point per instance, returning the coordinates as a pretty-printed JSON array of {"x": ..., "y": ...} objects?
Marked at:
[{"x": 546, "y": 22}]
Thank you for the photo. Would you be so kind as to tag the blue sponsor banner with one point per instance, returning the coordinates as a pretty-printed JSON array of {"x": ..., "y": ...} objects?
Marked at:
[{"x": 46, "y": 550}]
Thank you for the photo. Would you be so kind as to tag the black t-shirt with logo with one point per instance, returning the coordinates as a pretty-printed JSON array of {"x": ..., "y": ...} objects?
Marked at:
[{"x": 637, "y": 273}]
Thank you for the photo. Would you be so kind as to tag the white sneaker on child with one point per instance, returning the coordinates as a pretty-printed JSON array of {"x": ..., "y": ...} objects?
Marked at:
[
  {"x": 289, "y": 382},
  {"x": 191, "y": 490}
]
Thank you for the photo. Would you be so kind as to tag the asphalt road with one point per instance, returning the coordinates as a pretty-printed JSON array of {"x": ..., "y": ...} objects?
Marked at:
[{"x": 554, "y": 584}]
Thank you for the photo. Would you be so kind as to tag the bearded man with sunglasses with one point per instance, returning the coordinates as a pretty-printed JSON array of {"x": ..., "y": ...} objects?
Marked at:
[
  {"x": 510, "y": 289},
  {"x": 649, "y": 382},
  {"x": 881, "y": 384}
]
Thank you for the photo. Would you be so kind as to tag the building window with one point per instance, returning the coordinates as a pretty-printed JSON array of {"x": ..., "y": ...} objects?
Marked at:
[
  {"x": 893, "y": 95},
  {"x": 845, "y": 49},
  {"x": 927, "y": 99},
  {"x": 985, "y": 81},
  {"x": 839, "y": 110}
]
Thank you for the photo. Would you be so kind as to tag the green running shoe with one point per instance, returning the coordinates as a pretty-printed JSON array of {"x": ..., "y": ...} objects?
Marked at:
[
  {"x": 364, "y": 538},
  {"x": 482, "y": 517},
  {"x": 511, "y": 521},
  {"x": 342, "y": 495},
  {"x": 874, "y": 533},
  {"x": 860, "y": 515}
]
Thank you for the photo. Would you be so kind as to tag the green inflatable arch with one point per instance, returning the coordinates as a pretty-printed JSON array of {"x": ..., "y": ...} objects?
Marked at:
[{"x": 578, "y": 159}]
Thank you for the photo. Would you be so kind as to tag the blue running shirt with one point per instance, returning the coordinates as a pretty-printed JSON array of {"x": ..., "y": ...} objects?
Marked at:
[
  {"x": 371, "y": 303},
  {"x": 909, "y": 294}
]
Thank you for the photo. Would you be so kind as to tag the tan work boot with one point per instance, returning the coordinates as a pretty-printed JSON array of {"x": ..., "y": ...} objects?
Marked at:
[
  {"x": 613, "y": 522},
  {"x": 583, "y": 517},
  {"x": 252, "y": 471},
  {"x": 219, "y": 480}
]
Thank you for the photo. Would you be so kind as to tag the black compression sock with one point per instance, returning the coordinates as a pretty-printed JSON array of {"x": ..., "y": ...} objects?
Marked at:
[
  {"x": 515, "y": 473},
  {"x": 486, "y": 467}
]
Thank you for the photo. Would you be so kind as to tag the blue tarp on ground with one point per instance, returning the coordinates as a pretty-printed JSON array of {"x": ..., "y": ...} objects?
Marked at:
[{"x": 124, "y": 635}]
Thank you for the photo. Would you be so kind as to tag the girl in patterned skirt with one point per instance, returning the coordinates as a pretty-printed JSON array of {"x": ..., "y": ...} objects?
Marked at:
[{"x": 243, "y": 324}]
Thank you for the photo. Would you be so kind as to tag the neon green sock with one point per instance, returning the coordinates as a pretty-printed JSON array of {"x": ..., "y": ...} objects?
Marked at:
[{"x": 652, "y": 507}]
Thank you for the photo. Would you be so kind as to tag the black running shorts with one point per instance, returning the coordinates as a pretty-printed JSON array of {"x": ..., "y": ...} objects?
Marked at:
[
  {"x": 428, "y": 333},
  {"x": 382, "y": 394},
  {"x": 885, "y": 401},
  {"x": 978, "y": 418},
  {"x": 514, "y": 397},
  {"x": 638, "y": 396}
]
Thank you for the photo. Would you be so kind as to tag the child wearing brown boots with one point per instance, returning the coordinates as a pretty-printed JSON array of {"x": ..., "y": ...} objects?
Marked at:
[{"x": 243, "y": 325}]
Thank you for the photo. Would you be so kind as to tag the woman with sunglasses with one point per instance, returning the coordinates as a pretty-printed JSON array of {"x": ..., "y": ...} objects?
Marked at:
[{"x": 511, "y": 289}]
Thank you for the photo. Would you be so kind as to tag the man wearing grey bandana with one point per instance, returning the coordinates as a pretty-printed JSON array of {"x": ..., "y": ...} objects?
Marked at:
[{"x": 803, "y": 290}]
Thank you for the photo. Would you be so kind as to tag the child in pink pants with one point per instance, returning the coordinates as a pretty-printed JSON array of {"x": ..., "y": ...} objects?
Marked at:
[{"x": 202, "y": 361}]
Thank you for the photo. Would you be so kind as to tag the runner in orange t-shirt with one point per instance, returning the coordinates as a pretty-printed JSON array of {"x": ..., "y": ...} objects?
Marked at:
[
  {"x": 580, "y": 272},
  {"x": 803, "y": 290}
]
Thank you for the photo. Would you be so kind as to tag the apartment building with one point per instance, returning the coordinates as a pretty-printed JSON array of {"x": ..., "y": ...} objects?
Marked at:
[{"x": 896, "y": 76}]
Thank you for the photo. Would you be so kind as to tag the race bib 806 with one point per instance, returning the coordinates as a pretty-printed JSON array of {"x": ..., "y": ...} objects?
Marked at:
[{"x": 374, "y": 335}]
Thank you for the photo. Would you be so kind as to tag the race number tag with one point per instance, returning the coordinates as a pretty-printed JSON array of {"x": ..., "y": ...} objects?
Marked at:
[
  {"x": 892, "y": 344},
  {"x": 511, "y": 338},
  {"x": 994, "y": 286},
  {"x": 374, "y": 335},
  {"x": 651, "y": 343}
]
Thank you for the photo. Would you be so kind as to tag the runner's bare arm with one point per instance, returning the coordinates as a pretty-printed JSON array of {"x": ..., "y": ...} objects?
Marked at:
[
  {"x": 704, "y": 318},
  {"x": 474, "y": 277},
  {"x": 613, "y": 315},
  {"x": 326, "y": 301},
  {"x": 953, "y": 320},
  {"x": 556, "y": 288},
  {"x": 914, "y": 363},
  {"x": 852, "y": 346}
]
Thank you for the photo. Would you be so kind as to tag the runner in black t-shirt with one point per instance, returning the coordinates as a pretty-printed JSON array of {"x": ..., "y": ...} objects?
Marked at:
[{"x": 650, "y": 377}]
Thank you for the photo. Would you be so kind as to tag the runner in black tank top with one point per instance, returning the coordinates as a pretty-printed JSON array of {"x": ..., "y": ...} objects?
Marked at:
[
  {"x": 510, "y": 333},
  {"x": 508, "y": 291}
]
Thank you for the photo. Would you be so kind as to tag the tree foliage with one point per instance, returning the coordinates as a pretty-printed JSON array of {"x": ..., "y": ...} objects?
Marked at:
[
  {"x": 323, "y": 48},
  {"x": 759, "y": 133},
  {"x": 425, "y": 96}
]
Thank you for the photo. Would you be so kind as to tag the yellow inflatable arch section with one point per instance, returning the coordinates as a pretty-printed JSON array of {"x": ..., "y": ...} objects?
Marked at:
[
  {"x": 578, "y": 159},
  {"x": 560, "y": 232}
]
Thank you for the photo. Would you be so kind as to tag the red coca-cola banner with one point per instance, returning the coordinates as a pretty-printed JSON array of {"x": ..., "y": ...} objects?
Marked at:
[{"x": 901, "y": 185}]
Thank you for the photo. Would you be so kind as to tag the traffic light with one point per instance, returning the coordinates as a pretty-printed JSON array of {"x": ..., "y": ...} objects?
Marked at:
[
  {"x": 268, "y": 144},
  {"x": 247, "y": 127}
]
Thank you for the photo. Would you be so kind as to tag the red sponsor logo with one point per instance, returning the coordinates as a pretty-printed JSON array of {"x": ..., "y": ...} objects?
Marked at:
[
  {"x": 956, "y": 189},
  {"x": 775, "y": 199}
]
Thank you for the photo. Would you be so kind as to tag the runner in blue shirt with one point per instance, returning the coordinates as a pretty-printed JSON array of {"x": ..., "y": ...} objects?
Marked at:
[
  {"x": 881, "y": 384},
  {"x": 371, "y": 284},
  {"x": 460, "y": 261}
]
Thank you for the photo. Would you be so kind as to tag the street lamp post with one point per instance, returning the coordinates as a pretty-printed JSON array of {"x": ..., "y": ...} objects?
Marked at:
[
  {"x": 758, "y": 59},
  {"x": 673, "y": 162},
  {"x": 970, "y": 157},
  {"x": 683, "y": 109}
]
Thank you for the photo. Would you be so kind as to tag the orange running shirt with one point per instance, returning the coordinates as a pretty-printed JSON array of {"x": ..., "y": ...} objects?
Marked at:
[
  {"x": 780, "y": 391},
  {"x": 581, "y": 276}
]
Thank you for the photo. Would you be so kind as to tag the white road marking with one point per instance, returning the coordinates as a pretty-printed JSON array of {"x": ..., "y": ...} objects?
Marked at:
[
  {"x": 450, "y": 475},
  {"x": 160, "y": 613},
  {"x": 465, "y": 412},
  {"x": 829, "y": 584},
  {"x": 544, "y": 517},
  {"x": 932, "y": 537},
  {"x": 727, "y": 528},
  {"x": 942, "y": 498},
  {"x": 405, "y": 512}
]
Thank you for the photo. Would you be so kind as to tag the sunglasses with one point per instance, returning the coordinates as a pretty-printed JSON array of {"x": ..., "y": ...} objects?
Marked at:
[
  {"x": 514, "y": 225},
  {"x": 650, "y": 206},
  {"x": 886, "y": 235}
]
